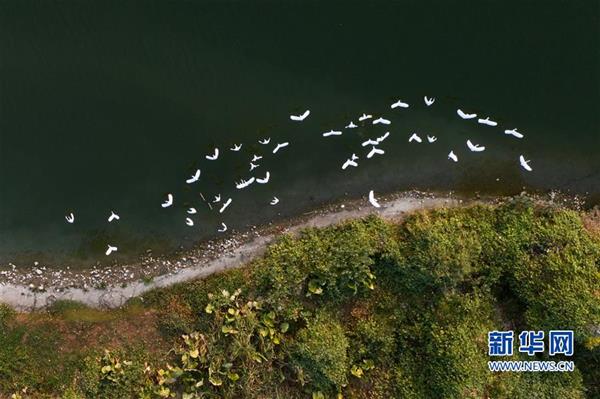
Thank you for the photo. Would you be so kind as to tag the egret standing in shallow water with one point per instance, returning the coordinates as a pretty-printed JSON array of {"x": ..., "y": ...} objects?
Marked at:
[
  {"x": 372, "y": 199},
  {"x": 525, "y": 163}
]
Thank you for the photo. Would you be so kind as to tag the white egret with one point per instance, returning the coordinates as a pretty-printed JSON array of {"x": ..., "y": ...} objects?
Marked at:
[
  {"x": 354, "y": 157},
  {"x": 431, "y": 139},
  {"x": 349, "y": 162},
  {"x": 382, "y": 121},
  {"x": 475, "y": 147},
  {"x": 236, "y": 147},
  {"x": 364, "y": 117},
  {"x": 465, "y": 115},
  {"x": 372, "y": 199},
  {"x": 110, "y": 250},
  {"x": 189, "y": 221},
  {"x": 217, "y": 198},
  {"x": 194, "y": 178},
  {"x": 487, "y": 121},
  {"x": 223, "y": 228},
  {"x": 274, "y": 201},
  {"x": 244, "y": 183},
  {"x": 370, "y": 142},
  {"x": 191, "y": 211},
  {"x": 225, "y": 205},
  {"x": 351, "y": 125},
  {"x": 256, "y": 158},
  {"x": 70, "y": 218},
  {"x": 514, "y": 132},
  {"x": 400, "y": 104},
  {"x": 253, "y": 166},
  {"x": 332, "y": 133},
  {"x": 214, "y": 156},
  {"x": 429, "y": 101},
  {"x": 300, "y": 118},
  {"x": 525, "y": 163},
  {"x": 453, "y": 156},
  {"x": 381, "y": 138},
  {"x": 168, "y": 202},
  {"x": 374, "y": 151},
  {"x": 113, "y": 216},
  {"x": 265, "y": 179},
  {"x": 415, "y": 137},
  {"x": 265, "y": 141},
  {"x": 280, "y": 146}
]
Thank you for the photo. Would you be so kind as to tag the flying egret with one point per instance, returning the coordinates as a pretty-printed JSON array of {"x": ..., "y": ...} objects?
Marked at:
[
  {"x": 265, "y": 141},
  {"x": 236, "y": 147},
  {"x": 349, "y": 162},
  {"x": 70, "y": 218},
  {"x": 300, "y": 118},
  {"x": 113, "y": 216},
  {"x": 431, "y": 139},
  {"x": 415, "y": 137},
  {"x": 256, "y": 158},
  {"x": 464, "y": 115},
  {"x": 168, "y": 202},
  {"x": 370, "y": 142},
  {"x": 223, "y": 228},
  {"x": 351, "y": 125},
  {"x": 195, "y": 177},
  {"x": 525, "y": 163},
  {"x": 487, "y": 121},
  {"x": 265, "y": 179},
  {"x": 372, "y": 199},
  {"x": 381, "y": 138},
  {"x": 374, "y": 151},
  {"x": 453, "y": 156},
  {"x": 253, "y": 166},
  {"x": 382, "y": 121},
  {"x": 280, "y": 146},
  {"x": 189, "y": 221},
  {"x": 214, "y": 156},
  {"x": 225, "y": 205},
  {"x": 428, "y": 101},
  {"x": 475, "y": 147},
  {"x": 400, "y": 104},
  {"x": 514, "y": 132},
  {"x": 274, "y": 201},
  {"x": 332, "y": 133},
  {"x": 110, "y": 250},
  {"x": 364, "y": 117},
  {"x": 244, "y": 183},
  {"x": 191, "y": 211},
  {"x": 217, "y": 198}
]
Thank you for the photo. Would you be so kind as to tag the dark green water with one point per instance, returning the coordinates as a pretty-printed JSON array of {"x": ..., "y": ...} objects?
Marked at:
[{"x": 111, "y": 104}]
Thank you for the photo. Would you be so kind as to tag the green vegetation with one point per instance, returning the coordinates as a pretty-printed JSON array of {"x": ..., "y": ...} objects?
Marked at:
[{"x": 365, "y": 309}]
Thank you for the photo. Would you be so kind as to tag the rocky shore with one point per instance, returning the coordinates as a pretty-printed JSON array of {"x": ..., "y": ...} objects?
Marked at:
[{"x": 112, "y": 286}]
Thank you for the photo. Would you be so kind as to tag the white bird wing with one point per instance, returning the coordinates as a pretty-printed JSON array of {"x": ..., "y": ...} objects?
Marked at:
[
  {"x": 372, "y": 199},
  {"x": 465, "y": 115},
  {"x": 525, "y": 163}
]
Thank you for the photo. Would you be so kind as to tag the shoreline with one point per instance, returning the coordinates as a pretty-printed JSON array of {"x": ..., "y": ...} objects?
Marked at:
[{"x": 111, "y": 287}]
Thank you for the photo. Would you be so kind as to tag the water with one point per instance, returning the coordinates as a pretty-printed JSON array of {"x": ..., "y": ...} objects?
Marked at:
[{"x": 110, "y": 105}]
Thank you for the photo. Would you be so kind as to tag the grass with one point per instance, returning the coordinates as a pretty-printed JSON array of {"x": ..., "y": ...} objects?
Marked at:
[{"x": 365, "y": 309}]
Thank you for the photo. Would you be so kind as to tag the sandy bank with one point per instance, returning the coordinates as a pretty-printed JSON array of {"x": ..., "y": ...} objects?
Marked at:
[{"x": 23, "y": 298}]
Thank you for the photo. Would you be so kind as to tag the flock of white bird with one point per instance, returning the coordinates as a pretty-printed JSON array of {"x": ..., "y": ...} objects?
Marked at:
[{"x": 350, "y": 162}]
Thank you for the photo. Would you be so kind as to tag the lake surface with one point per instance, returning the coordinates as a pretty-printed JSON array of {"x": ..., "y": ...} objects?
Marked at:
[{"x": 109, "y": 105}]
